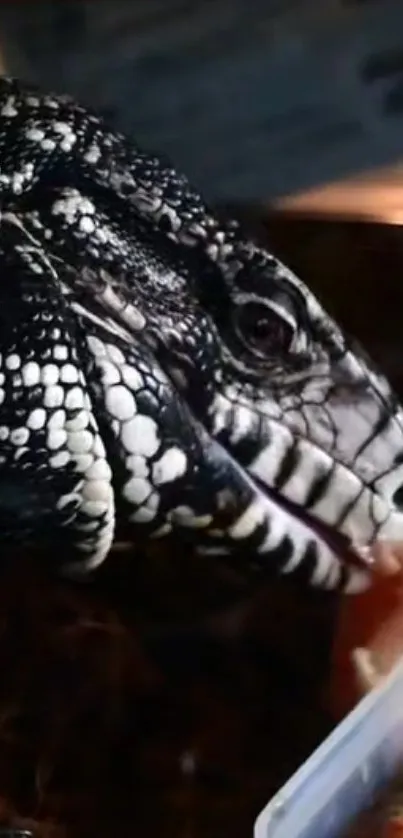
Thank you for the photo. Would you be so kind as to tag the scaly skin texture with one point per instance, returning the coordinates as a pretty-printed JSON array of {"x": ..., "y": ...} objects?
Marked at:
[{"x": 162, "y": 373}]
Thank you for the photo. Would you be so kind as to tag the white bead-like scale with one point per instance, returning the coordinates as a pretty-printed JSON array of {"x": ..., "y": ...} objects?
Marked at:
[
  {"x": 57, "y": 428},
  {"x": 148, "y": 461}
]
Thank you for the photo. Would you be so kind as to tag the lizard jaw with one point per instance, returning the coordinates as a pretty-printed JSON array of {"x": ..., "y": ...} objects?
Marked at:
[{"x": 383, "y": 556}]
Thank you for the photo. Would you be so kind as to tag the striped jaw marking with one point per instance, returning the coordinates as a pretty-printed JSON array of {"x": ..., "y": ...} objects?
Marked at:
[{"x": 159, "y": 372}]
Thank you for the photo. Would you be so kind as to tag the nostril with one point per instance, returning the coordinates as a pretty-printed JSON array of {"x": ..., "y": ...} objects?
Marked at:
[{"x": 398, "y": 497}]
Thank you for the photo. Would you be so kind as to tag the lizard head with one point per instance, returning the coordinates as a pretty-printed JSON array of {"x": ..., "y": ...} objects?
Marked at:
[
  {"x": 230, "y": 404},
  {"x": 296, "y": 405}
]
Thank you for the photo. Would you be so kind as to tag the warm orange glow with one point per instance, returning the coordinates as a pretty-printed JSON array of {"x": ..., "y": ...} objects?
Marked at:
[
  {"x": 394, "y": 217},
  {"x": 377, "y": 196}
]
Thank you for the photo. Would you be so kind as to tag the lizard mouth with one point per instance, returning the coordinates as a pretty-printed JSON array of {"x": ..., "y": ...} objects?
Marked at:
[
  {"x": 359, "y": 556},
  {"x": 382, "y": 556}
]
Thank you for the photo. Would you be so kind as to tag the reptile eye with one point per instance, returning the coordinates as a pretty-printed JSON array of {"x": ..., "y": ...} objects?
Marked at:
[{"x": 263, "y": 330}]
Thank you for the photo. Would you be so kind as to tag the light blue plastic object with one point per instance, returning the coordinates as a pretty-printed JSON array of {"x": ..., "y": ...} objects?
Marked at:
[{"x": 344, "y": 775}]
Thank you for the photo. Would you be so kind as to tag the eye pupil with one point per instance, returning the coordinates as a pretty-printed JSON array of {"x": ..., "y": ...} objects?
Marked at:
[{"x": 263, "y": 329}]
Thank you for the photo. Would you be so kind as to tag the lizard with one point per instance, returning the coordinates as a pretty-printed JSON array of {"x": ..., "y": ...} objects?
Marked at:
[{"x": 163, "y": 374}]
